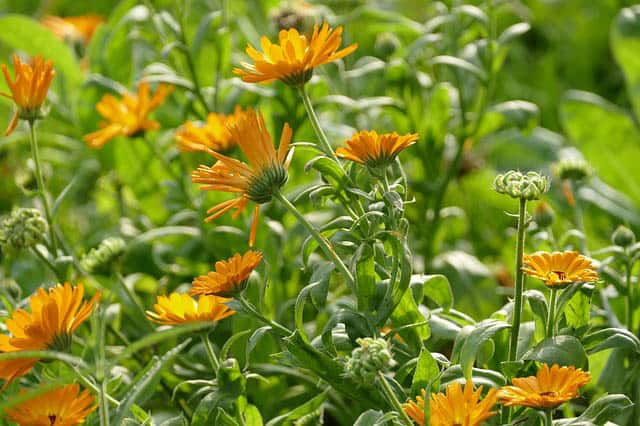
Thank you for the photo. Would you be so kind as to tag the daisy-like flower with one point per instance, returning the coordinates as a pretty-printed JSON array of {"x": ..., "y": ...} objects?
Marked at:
[
  {"x": 181, "y": 308},
  {"x": 230, "y": 276},
  {"x": 128, "y": 116},
  {"x": 559, "y": 269},
  {"x": 455, "y": 406},
  {"x": 293, "y": 60},
  {"x": 548, "y": 389},
  {"x": 55, "y": 314},
  {"x": 212, "y": 135},
  {"x": 374, "y": 150},
  {"x": 30, "y": 88},
  {"x": 73, "y": 28},
  {"x": 64, "y": 406},
  {"x": 257, "y": 181}
]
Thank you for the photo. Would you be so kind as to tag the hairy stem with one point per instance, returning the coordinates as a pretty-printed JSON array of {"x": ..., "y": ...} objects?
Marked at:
[{"x": 393, "y": 400}]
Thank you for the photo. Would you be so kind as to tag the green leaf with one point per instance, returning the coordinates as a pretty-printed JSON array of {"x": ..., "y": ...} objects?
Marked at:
[
  {"x": 407, "y": 313},
  {"x": 605, "y": 409},
  {"x": 253, "y": 341},
  {"x": 578, "y": 308},
  {"x": 481, "y": 333},
  {"x": 305, "y": 409},
  {"x": 561, "y": 350},
  {"x": 427, "y": 374},
  {"x": 437, "y": 288},
  {"x": 611, "y": 338},
  {"x": 167, "y": 231},
  {"x": 538, "y": 304},
  {"x": 625, "y": 44},
  {"x": 460, "y": 64},
  {"x": 365, "y": 267},
  {"x": 374, "y": 418}
]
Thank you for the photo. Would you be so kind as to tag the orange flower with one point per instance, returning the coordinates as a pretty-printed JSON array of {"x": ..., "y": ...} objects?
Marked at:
[
  {"x": 230, "y": 276},
  {"x": 560, "y": 269},
  {"x": 30, "y": 88},
  {"x": 129, "y": 116},
  {"x": 212, "y": 135},
  {"x": 293, "y": 60},
  {"x": 55, "y": 315},
  {"x": 73, "y": 28},
  {"x": 454, "y": 407},
  {"x": 64, "y": 406},
  {"x": 257, "y": 181},
  {"x": 374, "y": 150},
  {"x": 550, "y": 388},
  {"x": 182, "y": 308}
]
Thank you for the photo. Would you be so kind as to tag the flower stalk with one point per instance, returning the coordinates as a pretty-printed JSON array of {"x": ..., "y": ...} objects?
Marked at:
[
  {"x": 325, "y": 145},
  {"x": 551, "y": 319},
  {"x": 252, "y": 310},
  {"x": 210, "y": 353},
  {"x": 393, "y": 400},
  {"x": 519, "y": 285}
]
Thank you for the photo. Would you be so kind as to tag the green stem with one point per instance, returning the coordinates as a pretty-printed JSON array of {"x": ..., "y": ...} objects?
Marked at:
[
  {"x": 315, "y": 123},
  {"x": 548, "y": 417},
  {"x": 47, "y": 262},
  {"x": 89, "y": 384},
  {"x": 322, "y": 241},
  {"x": 41, "y": 189},
  {"x": 551, "y": 319},
  {"x": 579, "y": 221},
  {"x": 629, "y": 298},
  {"x": 210, "y": 353},
  {"x": 132, "y": 296},
  {"x": 517, "y": 308},
  {"x": 253, "y": 311},
  {"x": 391, "y": 396},
  {"x": 104, "y": 406}
]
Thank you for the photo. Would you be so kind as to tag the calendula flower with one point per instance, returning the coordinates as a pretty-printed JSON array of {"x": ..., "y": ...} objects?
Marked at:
[
  {"x": 559, "y": 269},
  {"x": 257, "y": 181},
  {"x": 455, "y": 406},
  {"x": 212, "y": 135},
  {"x": 73, "y": 28},
  {"x": 374, "y": 150},
  {"x": 182, "y": 308},
  {"x": 128, "y": 116},
  {"x": 30, "y": 88},
  {"x": 230, "y": 276},
  {"x": 64, "y": 406},
  {"x": 548, "y": 389},
  {"x": 293, "y": 60},
  {"x": 55, "y": 314}
]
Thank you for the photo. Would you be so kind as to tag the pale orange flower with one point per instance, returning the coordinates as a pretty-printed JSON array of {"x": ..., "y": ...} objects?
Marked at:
[
  {"x": 374, "y": 150},
  {"x": 560, "y": 269},
  {"x": 230, "y": 276},
  {"x": 73, "y": 28},
  {"x": 213, "y": 134}
]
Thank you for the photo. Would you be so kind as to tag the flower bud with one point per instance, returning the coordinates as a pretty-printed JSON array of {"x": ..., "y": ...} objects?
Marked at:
[
  {"x": 544, "y": 215},
  {"x": 22, "y": 229},
  {"x": 101, "y": 257},
  {"x": 528, "y": 186},
  {"x": 623, "y": 236},
  {"x": 372, "y": 356},
  {"x": 575, "y": 169},
  {"x": 386, "y": 44}
]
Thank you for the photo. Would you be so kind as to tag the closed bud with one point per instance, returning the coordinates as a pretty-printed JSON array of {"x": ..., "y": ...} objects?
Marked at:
[
  {"x": 22, "y": 229},
  {"x": 575, "y": 169},
  {"x": 528, "y": 186},
  {"x": 386, "y": 44},
  {"x": 372, "y": 356},
  {"x": 101, "y": 257},
  {"x": 544, "y": 215},
  {"x": 623, "y": 236}
]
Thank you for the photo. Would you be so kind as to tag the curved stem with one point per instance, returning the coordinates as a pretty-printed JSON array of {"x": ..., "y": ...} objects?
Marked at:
[
  {"x": 551, "y": 319},
  {"x": 388, "y": 392},
  {"x": 253, "y": 311},
  {"x": 47, "y": 262},
  {"x": 517, "y": 308},
  {"x": 322, "y": 241},
  {"x": 315, "y": 123},
  {"x": 41, "y": 189},
  {"x": 210, "y": 353}
]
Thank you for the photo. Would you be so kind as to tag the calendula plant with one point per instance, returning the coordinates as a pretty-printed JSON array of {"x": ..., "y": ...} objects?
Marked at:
[{"x": 290, "y": 213}]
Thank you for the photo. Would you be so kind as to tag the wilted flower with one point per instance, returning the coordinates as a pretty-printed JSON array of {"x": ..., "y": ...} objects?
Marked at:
[
  {"x": 549, "y": 388},
  {"x": 30, "y": 88},
  {"x": 182, "y": 308},
  {"x": 73, "y": 28},
  {"x": 129, "y": 116},
  {"x": 559, "y": 269},
  {"x": 623, "y": 236},
  {"x": 213, "y": 134},
  {"x": 374, "y": 150},
  {"x": 257, "y": 181},
  {"x": 293, "y": 60},
  {"x": 373, "y": 355},
  {"x": 22, "y": 229},
  {"x": 528, "y": 186},
  {"x": 230, "y": 276},
  {"x": 106, "y": 253},
  {"x": 63, "y": 406}
]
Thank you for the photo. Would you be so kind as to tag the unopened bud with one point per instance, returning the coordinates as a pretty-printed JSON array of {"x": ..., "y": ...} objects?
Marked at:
[
  {"x": 372, "y": 356},
  {"x": 544, "y": 215},
  {"x": 528, "y": 186},
  {"x": 623, "y": 236},
  {"x": 386, "y": 44},
  {"x": 575, "y": 169},
  {"x": 107, "y": 252},
  {"x": 22, "y": 229}
]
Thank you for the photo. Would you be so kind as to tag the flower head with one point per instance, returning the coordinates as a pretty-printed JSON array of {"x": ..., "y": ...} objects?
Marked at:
[
  {"x": 213, "y": 134},
  {"x": 455, "y": 406},
  {"x": 256, "y": 181},
  {"x": 30, "y": 88},
  {"x": 129, "y": 116},
  {"x": 55, "y": 314},
  {"x": 529, "y": 186},
  {"x": 230, "y": 276},
  {"x": 372, "y": 355},
  {"x": 374, "y": 150},
  {"x": 293, "y": 60},
  {"x": 23, "y": 228},
  {"x": 182, "y": 308},
  {"x": 559, "y": 269},
  {"x": 73, "y": 28},
  {"x": 63, "y": 406},
  {"x": 549, "y": 388},
  {"x": 107, "y": 252}
]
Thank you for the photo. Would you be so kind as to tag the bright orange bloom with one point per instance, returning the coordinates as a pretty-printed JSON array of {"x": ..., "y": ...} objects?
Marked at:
[
  {"x": 73, "y": 28},
  {"x": 257, "y": 181},
  {"x": 212, "y": 135},
  {"x": 374, "y": 150},
  {"x": 64, "y": 406},
  {"x": 293, "y": 60},
  {"x": 181, "y": 309},
  {"x": 129, "y": 116},
  {"x": 548, "y": 389},
  {"x": 560, "y": 269},
  {"x": 454, "y": 407},
  {"x": 55, "y": 314},
  {"x": 30, "y": 88},
  {"x": 230, "y": 276}
]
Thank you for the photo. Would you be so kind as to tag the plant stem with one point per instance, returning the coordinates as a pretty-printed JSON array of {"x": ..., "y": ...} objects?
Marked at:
[
  {"x": 517, "y": 308},
  {"x": 315, "y": 123},
  {"x": 132, "y": 296},
  {"x": 548, "y": 417},
  {"x": 41, "y": 189},
  {"x": 47, "y": 262},
  {"x": 253, "y": 311},
  {"x": 322, "y": 241},
  {"x": 210, "y": 353},
  {"x": 551, "y": 319},
  {"x": 629, "y": 298},
  {"x": 391, "y": 396}
]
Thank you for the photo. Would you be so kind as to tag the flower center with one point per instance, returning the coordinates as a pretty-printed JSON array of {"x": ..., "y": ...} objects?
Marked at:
[
  {"x": 557, "y": 275},
  {"x": 548, "y": 393},
  {"x": 262, "y": 187},
  {"x": 52, "y": 419}
]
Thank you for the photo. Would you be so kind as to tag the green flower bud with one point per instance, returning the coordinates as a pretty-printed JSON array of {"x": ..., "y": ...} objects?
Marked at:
[
  {"x": 372, "y": 356},
  {"x": 575, "y": 169},
  {"x": 623, "y": 236},
  {"x": 528, "y": 186},
  {"x": 22, "y": 229},
  {"x": 544, "y": 215},
  {"x": 101, "y": 257},
  {"x": 231, "y": 381},
  {"x": 386, "y": 45}
]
